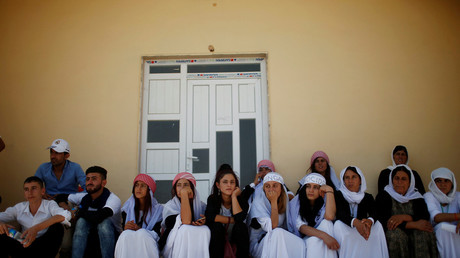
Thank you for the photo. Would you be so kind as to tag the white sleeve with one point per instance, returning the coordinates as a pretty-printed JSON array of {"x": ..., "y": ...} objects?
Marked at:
[
  {"x": 9, "y": 214},
  {"x": 54, "y": 209},
  {"x": 114, "y": 203},
  {"x": 434, "y": 207},
  {"x": 300, "y": 222},
  {"x": 265, "y": 223},
  {"x": 76, "y": 198}
]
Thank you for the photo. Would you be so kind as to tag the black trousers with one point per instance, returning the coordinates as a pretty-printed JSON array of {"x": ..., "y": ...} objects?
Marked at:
[
  {"x": 45, "y": 246},
  {"x": 239, "y": 237}
]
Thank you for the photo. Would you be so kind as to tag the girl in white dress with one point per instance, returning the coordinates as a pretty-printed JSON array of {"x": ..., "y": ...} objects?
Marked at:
[
  {"x": 185, "y": 234},
  {"x": 269, "y": 235},
  {"x": 142, "y": 216},
  {"x": 314, "y": 214},
  {"x": 356, "y": 230},
  {"x": 443, "y": 203}
]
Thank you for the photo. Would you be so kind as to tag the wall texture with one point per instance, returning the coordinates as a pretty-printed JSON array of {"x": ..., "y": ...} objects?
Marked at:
[{"x": 351, "y": 78}]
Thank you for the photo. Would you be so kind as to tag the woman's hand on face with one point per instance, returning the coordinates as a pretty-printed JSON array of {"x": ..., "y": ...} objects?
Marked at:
[
  {"x": 186, "y": 191},
  {"x": 258, "y": 178},
  {"x": 324, "y": 189},
  {"x": 236, "y": 192},
  {"x": 272, "y": 196}
]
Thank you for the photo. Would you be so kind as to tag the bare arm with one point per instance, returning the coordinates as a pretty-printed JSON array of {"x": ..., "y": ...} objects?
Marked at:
[
  {"x": 236, "y": 208},
  {"x": 446, "y": 217},
  {"x": 185, "y": 209},
  {"x": 330, "y": 202},
  {"x": 273, "y": 198},
  {"x": 422, "y": 224},
  {"x": 224, "y": 219},
  {"x": 327, "y": 239}
]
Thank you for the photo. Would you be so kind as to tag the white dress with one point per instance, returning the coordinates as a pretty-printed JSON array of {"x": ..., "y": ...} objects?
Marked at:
[
  {"x": 186, "y": 240},
  {"x": 277, "y": 242},
  {"x": 447, "y": 239},
  {"x": 352, "y": 244},
  {"x": 315, "y": 246},
  {"x": 142, "y": 242}
]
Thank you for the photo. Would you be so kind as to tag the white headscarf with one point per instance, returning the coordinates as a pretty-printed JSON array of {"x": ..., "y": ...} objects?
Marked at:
[
  {"x": 172, "y": 207},
  {"x": 353, "y": 197},
  {"x": 411, "y": 193},
  {"x": 154, "y": 215},
  {"x": 261, "y": 206},
  {"x": 393, "y": 160},
  {"x": 294, "y": 204},
  {"x": 440, "y": 196}
]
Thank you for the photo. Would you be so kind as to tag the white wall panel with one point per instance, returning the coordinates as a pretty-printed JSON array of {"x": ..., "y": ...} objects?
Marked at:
[
  {"x": 203, "y": 189},
  {"x": 224, "y": 104},
  {"x": 164, "y": 96},
  {"x": 246, "y": 93},
  {"x": 162, "y": 161},
  {"x": 201, "y": 113}
]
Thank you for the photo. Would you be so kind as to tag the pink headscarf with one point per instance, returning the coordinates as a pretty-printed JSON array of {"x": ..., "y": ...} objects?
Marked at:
[
  {"x": 148, "y": 180},
  {"x": 185, "y": 175},
  {"x": 318, "y": 154},
  {"x": 266, "y": 163}
]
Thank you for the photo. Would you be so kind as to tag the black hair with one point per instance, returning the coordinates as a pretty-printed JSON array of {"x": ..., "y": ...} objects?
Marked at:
[
  {"x": 399, "y": 148},
  {"x": 400, "y": 168},
  {"x": 308, "y": 212},
  {"x": 327, "y": 173},
  {"x": 224, "y": 169},
  {"x": 31, "y": 179},
  {"x": 99, "y": 170},
  {"x": 137, "y": 204},
  {"x": 352, "y": 169}
]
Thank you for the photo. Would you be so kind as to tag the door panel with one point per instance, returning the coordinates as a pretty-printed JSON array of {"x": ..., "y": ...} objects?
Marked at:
[{"x": 196, "y": 122}]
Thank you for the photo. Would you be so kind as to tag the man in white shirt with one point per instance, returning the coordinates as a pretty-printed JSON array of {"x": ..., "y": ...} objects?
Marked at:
[
  {"x": 40, "y": 222},
  {"x": 98, "y": 219}
]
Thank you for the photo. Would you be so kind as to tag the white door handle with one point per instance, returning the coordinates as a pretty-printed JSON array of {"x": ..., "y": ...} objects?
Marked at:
[{"x": 193, "y": 158}]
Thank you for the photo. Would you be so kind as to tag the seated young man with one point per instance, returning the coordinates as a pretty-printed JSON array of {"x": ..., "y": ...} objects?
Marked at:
[
  {"x": 40, "y": 222},
  {"x": 98, "y": 218}
]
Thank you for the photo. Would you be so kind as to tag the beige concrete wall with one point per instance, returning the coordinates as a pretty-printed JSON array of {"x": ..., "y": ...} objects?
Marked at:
[{"x": 351, "y": 78}]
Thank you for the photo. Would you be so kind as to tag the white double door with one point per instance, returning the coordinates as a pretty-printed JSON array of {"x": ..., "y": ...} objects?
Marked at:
[{"x": 213, "y": 120}]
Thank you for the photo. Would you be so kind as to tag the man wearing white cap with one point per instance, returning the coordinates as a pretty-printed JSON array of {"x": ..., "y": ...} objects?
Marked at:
[{"x": 61, "y": 176}]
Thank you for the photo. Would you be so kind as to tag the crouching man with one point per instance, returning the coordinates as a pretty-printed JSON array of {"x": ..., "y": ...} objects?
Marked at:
[
  {"x": 40, "y": 222},
  {"x": 98, "y": 218}
]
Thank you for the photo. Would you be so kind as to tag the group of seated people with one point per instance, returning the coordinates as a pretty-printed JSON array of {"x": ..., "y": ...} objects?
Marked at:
[{"x": 328, "y": 216}]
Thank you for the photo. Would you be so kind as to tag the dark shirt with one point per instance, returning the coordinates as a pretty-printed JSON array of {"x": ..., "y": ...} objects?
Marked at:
[
  {"x": 384, "y": 181},
  {"x": 366, "y": 208},
  {"x": 384, "y": 203}
]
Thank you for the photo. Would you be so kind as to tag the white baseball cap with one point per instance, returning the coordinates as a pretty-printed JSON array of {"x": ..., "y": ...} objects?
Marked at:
[{"x": 60, "y": 145}]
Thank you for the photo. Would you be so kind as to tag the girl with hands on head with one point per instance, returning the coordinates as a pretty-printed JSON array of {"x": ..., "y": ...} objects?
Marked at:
[
  {"x": 142, "y": 216},
  {"x": 356, "y": 228},
  {"x": 270, "y": 223},
  {"x": 443, "y": 203},
  {"x": 225, "y": 213},
  {"x": 184, "y": 234},
  {"x": 312, "y": 212},
  {"x": 404, "y": 215}
]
